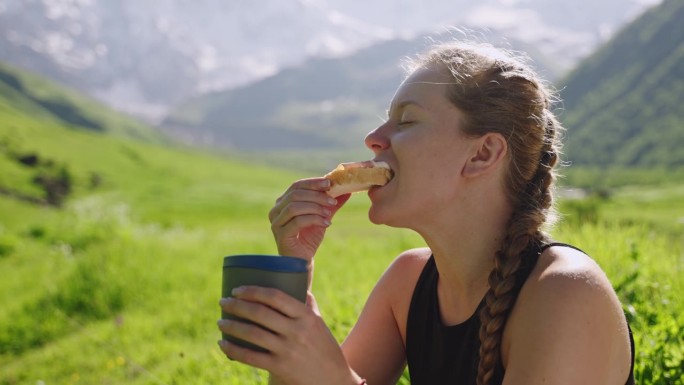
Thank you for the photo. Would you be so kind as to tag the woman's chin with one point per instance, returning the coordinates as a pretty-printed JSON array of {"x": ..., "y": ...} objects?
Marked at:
[
  {"x": 375, "y": 216},
  {"x": 379, "y": 216}
]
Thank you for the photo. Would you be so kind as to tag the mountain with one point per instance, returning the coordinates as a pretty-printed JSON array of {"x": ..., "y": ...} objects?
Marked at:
[
  {"x": 323, "y": 103},
  {"x": 145, "y": 56},
  {"x": 328, "y": 104},
  {"x": 623, "y": 105}
]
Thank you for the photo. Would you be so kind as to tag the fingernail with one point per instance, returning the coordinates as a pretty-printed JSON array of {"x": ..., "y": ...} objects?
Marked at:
[
  {"x": 332, "y": 201},
  {"x": 325, "y": 183},
  {"x": 327, "y": 212},
  {"x": 223, "y": 344},
  {"x": 327, "y": 222},
  {"x": 237, "y": 291}
]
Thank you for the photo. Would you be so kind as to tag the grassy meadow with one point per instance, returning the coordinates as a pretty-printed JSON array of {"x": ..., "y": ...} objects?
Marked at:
[{"x": 120, "y": 284}]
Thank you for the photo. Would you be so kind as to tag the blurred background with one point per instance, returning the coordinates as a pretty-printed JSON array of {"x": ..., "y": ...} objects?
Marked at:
[
  {"x": 280, "y": 76},
  {"x": 140, "y": 141}
]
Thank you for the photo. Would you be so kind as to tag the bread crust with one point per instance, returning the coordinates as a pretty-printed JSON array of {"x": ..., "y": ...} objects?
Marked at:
[{"x": 357, "y": 176}]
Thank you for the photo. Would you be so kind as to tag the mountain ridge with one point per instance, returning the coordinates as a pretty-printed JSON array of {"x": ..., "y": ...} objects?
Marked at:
[
  {"x": 623, "y": 104},
  {"x": 144, "y": 57},
  {"x": 311, "y": 105}
]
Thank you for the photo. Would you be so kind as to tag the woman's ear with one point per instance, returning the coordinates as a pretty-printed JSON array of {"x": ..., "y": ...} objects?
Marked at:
[{"x": 488, "y": 152}]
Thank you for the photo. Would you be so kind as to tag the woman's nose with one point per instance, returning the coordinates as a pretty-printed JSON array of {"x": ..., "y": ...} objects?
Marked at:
[{"x": 376, "y": 140}]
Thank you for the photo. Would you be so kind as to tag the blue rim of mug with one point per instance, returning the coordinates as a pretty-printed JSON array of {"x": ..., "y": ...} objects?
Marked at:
[{"x": 266, "y": 262}]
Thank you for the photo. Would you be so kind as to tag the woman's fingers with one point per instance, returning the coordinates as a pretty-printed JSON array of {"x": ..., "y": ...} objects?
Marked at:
[
  {"x": 271, "y": 312},
  {"x": 246, "y": 356},
  {"x": 310, "y": 190},
  {"x": 301, "y": 216},
  {"x": 252, "y": 333},
  {"x": 255, "y": 312},
  {"x": 274, "y": 299},
  {"x": 299, "y": 209}
]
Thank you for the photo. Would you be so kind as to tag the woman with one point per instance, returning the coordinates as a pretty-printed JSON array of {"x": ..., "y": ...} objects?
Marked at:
[{"x": 472, "y": 143}]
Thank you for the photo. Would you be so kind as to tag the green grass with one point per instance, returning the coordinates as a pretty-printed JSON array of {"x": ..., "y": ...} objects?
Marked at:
[
  {"x": 121, "y": 284},
  {"x": 134, "y": 302}
]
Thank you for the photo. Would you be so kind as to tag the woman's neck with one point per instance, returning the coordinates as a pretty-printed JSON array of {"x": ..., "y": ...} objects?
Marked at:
[{"x": 464, "y": 251}]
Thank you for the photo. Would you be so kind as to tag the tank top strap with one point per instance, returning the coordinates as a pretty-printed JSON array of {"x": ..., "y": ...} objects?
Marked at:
[{"x": 561, "y": 244}]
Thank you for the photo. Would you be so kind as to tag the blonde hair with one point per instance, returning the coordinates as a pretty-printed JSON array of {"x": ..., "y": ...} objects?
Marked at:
[{"x": 499, "y": 92}]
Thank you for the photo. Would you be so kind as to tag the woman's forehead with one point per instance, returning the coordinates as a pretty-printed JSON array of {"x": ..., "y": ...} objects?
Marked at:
[
  {"x": 432, "y": 73},
  {"x": 423, "y": 86}
]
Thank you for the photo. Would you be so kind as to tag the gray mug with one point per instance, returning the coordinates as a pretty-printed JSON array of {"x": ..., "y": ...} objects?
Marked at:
[{"x": 288, "y": 274}]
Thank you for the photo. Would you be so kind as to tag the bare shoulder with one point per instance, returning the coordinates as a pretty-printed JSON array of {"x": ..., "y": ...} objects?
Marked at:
[
  {"x": 399, "y": 281},
  {"x": 567, "y": 312},
  {"x": 560, "y": 270},
  {"x": 395, "y": 287},
  {"x": 410, "y": 260},
  {"x": 402, "y": 274},
  {"x": 565, "y": 284}
]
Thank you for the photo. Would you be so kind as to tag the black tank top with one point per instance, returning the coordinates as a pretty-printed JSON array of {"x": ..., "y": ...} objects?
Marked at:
[{"x": 439, "y": 354}]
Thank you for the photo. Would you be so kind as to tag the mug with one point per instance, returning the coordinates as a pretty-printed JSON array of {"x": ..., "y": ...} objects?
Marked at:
[{"x": 288, "y": 274}]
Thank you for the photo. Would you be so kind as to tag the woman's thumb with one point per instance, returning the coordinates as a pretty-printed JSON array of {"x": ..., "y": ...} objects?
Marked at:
[{"x": 311, "y": 303}]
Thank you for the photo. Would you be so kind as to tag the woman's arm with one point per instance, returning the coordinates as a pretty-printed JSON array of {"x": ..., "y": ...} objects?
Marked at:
[
  {"x": 375, "y": 347},
  {"x": 301, "y": 347}
]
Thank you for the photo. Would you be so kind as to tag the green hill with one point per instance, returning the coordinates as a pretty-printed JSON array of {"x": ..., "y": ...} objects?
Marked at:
[
  {"x": 41, "y": 98},
  {"x": 99, "y": 215},
  {"x": 623, "y": 105},
  {"x": 56, "y": 144}
]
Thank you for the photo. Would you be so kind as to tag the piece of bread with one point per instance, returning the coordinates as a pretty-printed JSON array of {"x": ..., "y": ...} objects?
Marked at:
[{"x": 358, "y": 176}]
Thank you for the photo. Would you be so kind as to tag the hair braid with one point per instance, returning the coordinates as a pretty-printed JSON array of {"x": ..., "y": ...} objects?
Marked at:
[{"x": 519, "y": 251}]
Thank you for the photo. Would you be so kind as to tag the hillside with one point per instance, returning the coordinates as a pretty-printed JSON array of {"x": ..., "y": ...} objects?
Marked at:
[
  {"x": 41, "y": 98},
  {"x": 56, "y": 144},
  {"x": 34, "y": 111},
  {"x": 97, "y": 230},
  {"x": 624, "y": 104}
]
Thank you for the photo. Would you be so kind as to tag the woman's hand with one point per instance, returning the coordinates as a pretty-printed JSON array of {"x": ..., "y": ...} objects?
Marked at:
[
  {"x": 301, "y": 349},
  {"x": 301, "y": 216}
]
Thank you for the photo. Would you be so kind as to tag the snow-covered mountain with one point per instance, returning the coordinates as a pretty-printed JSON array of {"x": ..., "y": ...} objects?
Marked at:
[{"x": 145, "y": 56}]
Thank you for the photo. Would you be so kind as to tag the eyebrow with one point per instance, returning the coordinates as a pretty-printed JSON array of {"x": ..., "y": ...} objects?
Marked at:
[{"x": 404, "y": 104}]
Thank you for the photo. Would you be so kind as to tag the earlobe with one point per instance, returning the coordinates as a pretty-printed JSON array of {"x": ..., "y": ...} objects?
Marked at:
[{"x": 488, "y": 152}]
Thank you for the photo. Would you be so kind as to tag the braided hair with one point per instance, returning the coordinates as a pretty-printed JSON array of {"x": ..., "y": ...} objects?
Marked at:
[{"x": 500, "y": 93}]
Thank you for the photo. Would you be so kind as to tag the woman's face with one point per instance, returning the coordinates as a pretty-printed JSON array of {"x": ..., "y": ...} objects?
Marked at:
[{"x": 423, "y": 142}]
